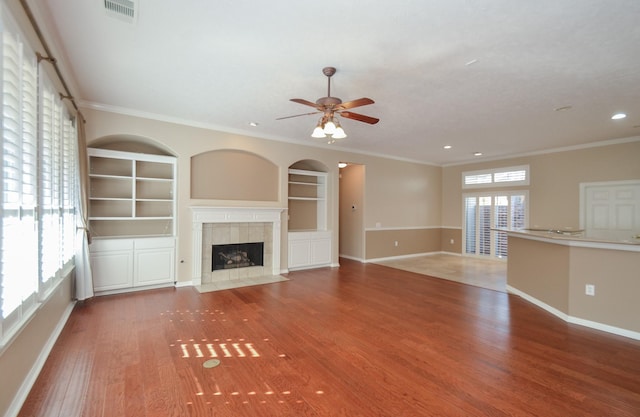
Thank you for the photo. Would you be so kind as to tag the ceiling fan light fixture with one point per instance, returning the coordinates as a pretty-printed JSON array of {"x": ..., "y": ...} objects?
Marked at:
[
  {"x": 329, "y": 127},
  {"x": 339, "y": 134},
  {"x": 318, "y": 132}
]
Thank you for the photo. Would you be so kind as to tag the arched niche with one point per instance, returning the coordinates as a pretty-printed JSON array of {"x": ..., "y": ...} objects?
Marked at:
[
  {"x": 309, "y": 165},
  {"x": 230, "y": 174},
  {"x": 131, "y": 143}
]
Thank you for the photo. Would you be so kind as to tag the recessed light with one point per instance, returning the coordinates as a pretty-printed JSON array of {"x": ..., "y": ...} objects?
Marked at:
[
  {"x": 254, "y": 124},
  {"x": 342, "y": 164},
  {"x": 618, "y": 116},
  {"x": 473, "y": 61},
  {"x": 477, "y": 154},
  {"x": 447, "y": 146},
  {"x": 563, "y": 108}
]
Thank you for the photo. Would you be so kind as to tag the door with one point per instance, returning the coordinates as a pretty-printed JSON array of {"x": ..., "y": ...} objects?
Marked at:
[
  {"x": 486, "y": 212},
  {"x": 611, "y": 210}
]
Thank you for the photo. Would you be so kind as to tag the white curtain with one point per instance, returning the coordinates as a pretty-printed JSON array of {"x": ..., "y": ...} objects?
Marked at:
[{"x": 84, "y": 277}]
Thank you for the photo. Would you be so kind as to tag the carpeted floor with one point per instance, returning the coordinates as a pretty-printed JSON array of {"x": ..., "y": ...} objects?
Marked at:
[{"x": 485, "y": 273}]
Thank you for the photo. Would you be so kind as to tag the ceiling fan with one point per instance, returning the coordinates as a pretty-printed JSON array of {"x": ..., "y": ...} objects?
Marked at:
[{"x": 330, "y": 107}]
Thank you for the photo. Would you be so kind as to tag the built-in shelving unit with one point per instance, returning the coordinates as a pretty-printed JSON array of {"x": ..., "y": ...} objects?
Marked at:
[
  {"x": 309, "y": 239},
  {"x": 131, "y": 194},
  {"x": 307, "y": 200},
  {"x": 132, "y": 219}
]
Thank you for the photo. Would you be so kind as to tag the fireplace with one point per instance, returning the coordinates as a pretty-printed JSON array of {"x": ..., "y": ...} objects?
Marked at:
[
  {"x": 237, "y": 255},
  {"x": 234, "y": 226}
]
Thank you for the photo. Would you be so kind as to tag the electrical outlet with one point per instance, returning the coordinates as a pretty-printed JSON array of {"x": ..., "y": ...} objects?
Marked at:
[
  {"x": 395, "y": 243},
  {"x": 590, "y": 289},
  {"x": 451, "y": 241}
]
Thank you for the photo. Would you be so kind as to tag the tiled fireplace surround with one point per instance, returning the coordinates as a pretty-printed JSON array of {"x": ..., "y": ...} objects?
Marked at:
[{"x": 228, "y": 225}]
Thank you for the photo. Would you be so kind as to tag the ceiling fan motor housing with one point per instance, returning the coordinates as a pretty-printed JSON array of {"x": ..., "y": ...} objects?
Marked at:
[{"x": 328, "y": 101}]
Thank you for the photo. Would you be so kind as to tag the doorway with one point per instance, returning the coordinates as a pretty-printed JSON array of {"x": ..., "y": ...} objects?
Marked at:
[{"x": 486, "y": 212}]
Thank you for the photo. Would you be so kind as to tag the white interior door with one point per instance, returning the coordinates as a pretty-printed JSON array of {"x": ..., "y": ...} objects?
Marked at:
[{"x": 611, "y": 210}]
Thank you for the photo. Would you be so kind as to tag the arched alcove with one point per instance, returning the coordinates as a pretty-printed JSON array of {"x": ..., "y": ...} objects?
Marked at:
[
  {"x": 309, "y": 165},
  {"x": 131, "y": 143},
  {"x": 230, "y": 174}
]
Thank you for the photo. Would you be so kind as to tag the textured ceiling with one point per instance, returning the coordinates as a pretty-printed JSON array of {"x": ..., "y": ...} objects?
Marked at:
[{"x": 478, "y": 75}]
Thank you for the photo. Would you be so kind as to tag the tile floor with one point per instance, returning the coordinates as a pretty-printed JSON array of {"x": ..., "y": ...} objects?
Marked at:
[{"x": 485, "y": 273}]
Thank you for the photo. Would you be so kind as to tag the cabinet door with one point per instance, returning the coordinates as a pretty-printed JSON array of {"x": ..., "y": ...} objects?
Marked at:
[
  {"x": 112, "y": 270},
  {"x": 154, "y": 266},
  {"x": 320, "y": 251},
  {"x": 299, "y": 253}
]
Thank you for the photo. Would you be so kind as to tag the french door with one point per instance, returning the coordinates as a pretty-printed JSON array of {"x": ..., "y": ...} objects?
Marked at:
[{"x": 485, "y": 212}]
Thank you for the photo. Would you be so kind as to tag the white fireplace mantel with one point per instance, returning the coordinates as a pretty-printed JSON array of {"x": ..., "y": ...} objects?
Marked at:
[{"x": 202, "y": 215}]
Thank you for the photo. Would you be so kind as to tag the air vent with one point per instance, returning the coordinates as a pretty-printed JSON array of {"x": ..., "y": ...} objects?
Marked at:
[{"x": 122, "y": 9}]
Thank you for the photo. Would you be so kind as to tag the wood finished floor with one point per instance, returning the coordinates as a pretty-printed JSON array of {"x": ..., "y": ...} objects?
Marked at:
[{"x": 359, "y": 340}]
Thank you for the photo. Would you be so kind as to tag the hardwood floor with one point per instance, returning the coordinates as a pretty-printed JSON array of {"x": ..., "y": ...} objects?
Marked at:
[{"x": 359, "y": 340}]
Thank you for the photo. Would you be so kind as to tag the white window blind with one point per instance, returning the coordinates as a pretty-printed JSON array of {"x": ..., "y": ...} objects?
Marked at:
[
  {"x": 498, "y": 177},
  {"x": 487, "y": 212},
  {"x": 18, "y": 243},
  {"x": 38, "y": 151}
]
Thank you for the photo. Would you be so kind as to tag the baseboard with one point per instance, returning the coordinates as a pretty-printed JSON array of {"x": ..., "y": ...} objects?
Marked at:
[
  {"x": 180, "y": 284},
  {"x": 395, "y": 258},
  {"x": 575, "y": 320},
  {"x": 353, "y": 258},
  {"x": 32, "y": 376},
  {"x": 132, "y": 289}
]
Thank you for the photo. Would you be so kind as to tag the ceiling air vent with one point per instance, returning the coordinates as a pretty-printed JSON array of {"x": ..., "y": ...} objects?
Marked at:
[{"x": 122, "y": 9}]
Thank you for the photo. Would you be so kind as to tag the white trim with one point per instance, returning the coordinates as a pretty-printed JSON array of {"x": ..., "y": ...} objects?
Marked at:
[
  {"x": 575, "y": 320},
  {"x": 353, "y": 258},
  {"x": 599, "y": 144},
  {"x": 250, "y": 133},
  {"x": 567, "y": 240},
  {"x": 375, "y": 229},
  {"x": 34, "y": 372},
  {"x": 393, "y": 258},
  {"x": 132, "y": 289}
]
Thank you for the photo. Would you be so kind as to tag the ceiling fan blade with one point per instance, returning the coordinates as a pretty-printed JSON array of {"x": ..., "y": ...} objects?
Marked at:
[
  {"x": 359, "y": 117},
  {"x": 355, "y": 103},
  {"x": 298, "y": 115},
  {"x": 305, "y": 102}
]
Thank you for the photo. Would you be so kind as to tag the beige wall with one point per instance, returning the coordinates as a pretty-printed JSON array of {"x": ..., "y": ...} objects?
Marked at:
[
  {"x": 233, "y": 175},
  {"x": 616, "y": 276},
  {"x": 381, "y": 243},
  {"x": 555, "y": 181},
  {"x": 17, "y": 362},
  {"x": 540, "y": 270},
  {"x": 556, "y": 274},
  {"x": 397, "y": 193},
  {"x": 451, "y": 240}
]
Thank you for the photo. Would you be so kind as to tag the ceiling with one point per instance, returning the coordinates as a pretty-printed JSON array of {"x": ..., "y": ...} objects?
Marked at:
[{"x": 500, "y": 77}]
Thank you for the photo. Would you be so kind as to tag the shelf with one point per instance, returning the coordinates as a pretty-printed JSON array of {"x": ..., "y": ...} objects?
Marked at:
[
  {"x": 131, "y": 194},
  {"x": 307, "y": 198}
]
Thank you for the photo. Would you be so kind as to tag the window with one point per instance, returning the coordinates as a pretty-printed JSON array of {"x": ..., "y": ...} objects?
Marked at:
[
  {"x": 38, "y": 153},
  {"x": 500, "y": 177}
]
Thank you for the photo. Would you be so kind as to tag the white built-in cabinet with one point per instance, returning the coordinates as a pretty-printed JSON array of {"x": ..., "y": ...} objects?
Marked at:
[
  {"x": 309, "y": 240},
  {"x": 131, "y": 219}
]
